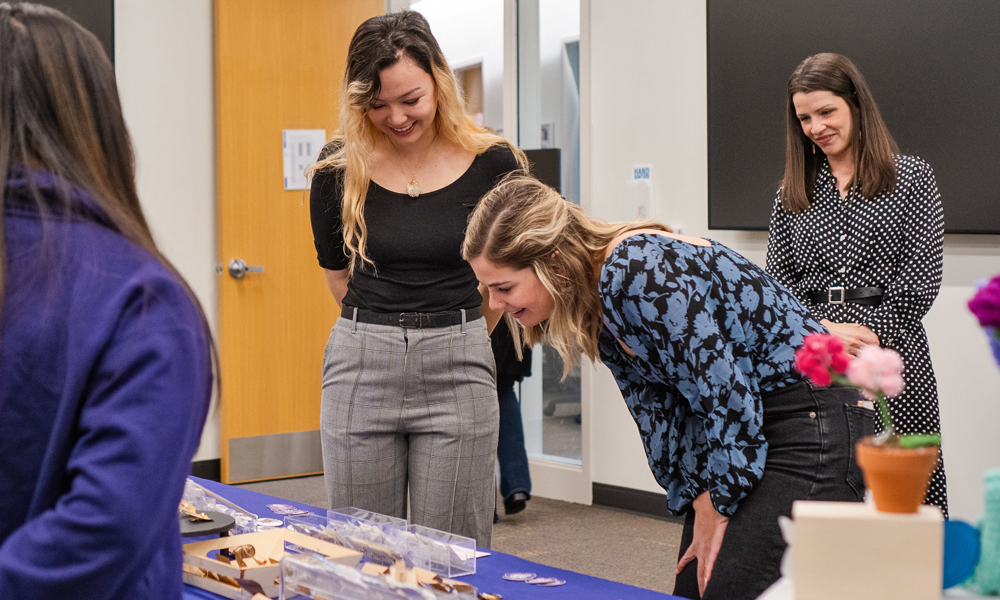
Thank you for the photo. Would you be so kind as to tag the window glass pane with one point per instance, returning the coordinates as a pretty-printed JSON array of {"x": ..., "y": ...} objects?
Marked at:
[{"x": 549, "y": 132}]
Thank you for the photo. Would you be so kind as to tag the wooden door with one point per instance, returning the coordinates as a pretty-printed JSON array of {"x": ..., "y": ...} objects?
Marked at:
[{"x": 278, "y": 65}]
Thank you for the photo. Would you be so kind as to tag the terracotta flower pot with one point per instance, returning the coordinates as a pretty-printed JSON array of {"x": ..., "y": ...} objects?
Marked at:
[{"x": 897, "y": 477}]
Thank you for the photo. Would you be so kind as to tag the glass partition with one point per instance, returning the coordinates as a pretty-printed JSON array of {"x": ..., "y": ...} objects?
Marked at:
[
  {"x": 548, "y": 75},
  {"x": 471, "y": 35}
]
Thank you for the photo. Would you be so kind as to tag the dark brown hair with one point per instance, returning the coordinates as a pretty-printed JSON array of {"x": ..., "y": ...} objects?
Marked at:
[
  {"x": 872, "y": 146},
  {"x": 60, "y": 112}
]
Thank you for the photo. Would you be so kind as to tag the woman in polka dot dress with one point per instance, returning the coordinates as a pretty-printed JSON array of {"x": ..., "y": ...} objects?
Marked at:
[{"x": 857, "y": 232}]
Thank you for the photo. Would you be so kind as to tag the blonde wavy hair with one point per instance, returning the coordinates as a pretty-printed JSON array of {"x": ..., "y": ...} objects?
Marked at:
[
  {"x": 522, "y": 223},
  {"x": 379, "y": 43}
]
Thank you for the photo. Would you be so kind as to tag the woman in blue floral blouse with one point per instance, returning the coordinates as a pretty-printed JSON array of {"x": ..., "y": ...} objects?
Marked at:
[{"x": 702, "y": 343}]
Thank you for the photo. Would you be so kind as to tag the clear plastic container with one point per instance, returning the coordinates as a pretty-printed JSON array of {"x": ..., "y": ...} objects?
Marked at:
[
  {"x": 358, "y": 534},
  {"x": 313, "y": 526},
  {"x": 439, "y": 552},
  {"x": 304, "y": 576},
  {"x": 202, "y": 501},
  {"x": 365, "y": 522}
]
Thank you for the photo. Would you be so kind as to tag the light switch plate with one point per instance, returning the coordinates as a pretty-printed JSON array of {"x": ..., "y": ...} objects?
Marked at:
[{"x": 300, "y": 149}]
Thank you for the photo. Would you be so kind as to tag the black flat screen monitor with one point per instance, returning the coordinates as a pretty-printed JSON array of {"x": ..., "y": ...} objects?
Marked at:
[
  {"x": 97, "y": 16},
  {"x": 932, "y": 65},
  {"x": 545, "y": 167}
]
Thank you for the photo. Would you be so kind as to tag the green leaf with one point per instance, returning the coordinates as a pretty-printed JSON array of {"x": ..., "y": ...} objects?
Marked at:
[{"x": 919, "y": 440}]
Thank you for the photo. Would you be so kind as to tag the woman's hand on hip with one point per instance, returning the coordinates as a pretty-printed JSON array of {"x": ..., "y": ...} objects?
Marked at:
[
  {"x": 709, "y": 529},
  {"x": 854, "y": 335}
]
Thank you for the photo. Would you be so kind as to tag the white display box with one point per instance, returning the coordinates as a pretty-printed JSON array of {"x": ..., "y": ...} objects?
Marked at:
[{"x": 851, "y": 550}]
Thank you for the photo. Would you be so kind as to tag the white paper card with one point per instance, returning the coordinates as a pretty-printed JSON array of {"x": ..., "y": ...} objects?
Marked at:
[{"x": 300, "y": 149}]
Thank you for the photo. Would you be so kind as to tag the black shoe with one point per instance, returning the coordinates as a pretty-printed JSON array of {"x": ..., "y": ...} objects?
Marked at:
[
  {"x": 516, "y": 503},
  {"x": 496, "y": 517}
]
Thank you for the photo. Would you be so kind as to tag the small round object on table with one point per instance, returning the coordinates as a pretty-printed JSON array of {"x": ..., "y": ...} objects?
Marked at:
[
  {"x": 269, "y": 524},
  {"x": 220, "y": 524}
]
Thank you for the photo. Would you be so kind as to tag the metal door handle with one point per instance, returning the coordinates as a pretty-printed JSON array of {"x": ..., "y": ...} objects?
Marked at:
[{"x": 238, "y": 268}]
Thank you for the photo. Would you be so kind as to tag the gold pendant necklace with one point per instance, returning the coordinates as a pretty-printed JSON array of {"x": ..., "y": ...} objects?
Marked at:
[{"x": 413, "y": 188}]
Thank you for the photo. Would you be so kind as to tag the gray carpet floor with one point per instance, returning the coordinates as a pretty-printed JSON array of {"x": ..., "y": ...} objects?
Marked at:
[{"x": 615, "y": 545}]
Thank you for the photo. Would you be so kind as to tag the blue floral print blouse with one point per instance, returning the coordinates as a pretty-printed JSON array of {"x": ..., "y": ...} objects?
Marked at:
[{"x": 712, "y": 332}]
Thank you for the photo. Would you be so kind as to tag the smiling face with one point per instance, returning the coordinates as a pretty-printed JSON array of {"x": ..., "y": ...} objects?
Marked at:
[
  {"x": 826, "y": 120},
  {"x": 516, "y": 291},
  {"x": 406, "y": 105}
]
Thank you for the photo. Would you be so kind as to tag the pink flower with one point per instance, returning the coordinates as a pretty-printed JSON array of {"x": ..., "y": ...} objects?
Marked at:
[
  {"x": 986, "y": 304},
  {"x": 876, "y": 370},
  {"x": 820, "y": 354},
  {"x": 840, "y": 361}
]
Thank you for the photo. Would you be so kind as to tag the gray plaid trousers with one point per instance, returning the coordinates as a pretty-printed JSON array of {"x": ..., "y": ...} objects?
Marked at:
[{"x": 412, "y": 408}]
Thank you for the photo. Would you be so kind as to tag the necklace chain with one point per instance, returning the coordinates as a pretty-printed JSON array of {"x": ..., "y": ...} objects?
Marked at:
[{"x": 413, "y": 187}]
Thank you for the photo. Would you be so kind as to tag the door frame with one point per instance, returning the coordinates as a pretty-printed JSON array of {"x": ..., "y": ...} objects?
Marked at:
[{"x": 550, "y": 479}]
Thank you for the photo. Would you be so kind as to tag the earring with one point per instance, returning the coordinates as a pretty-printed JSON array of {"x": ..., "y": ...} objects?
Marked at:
[{"x": 814, "y": 149}]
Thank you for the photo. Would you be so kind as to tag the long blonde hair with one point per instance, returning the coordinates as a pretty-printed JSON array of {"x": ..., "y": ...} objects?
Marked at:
[
  {"x": 523, "y": 223},
  {"x": 379, "y": 43}
]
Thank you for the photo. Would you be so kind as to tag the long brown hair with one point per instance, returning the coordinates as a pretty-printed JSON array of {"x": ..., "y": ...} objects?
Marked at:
[
  {"x": 379, "y": 43},
  {"x": 523, "y": 223},
  {"x": 60, "y": 112},
  {"x": 872, "y": 146}
]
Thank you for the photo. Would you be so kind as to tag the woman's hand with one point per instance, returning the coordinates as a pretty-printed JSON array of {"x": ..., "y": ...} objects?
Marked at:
[
  {"x": 853, "y": 335},
  {"x": 709, "y": 528}
]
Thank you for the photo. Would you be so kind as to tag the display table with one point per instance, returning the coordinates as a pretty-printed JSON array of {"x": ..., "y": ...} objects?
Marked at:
[{"x": 489, "y": 570}]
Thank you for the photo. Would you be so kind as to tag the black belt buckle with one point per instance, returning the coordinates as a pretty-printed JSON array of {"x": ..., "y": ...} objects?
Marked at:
[
  {"x": 830, "y": 292},
  {"x": 409, "y": 320}
]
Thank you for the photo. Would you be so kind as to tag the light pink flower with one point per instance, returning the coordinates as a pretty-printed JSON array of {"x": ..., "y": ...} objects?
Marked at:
[{"x": 876, "y": 370}]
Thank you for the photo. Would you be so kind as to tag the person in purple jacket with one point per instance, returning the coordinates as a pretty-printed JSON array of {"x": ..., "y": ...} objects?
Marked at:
[{"x": 105, "y": 354}]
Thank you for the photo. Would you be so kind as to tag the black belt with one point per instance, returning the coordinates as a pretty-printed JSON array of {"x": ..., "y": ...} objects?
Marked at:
[
  {"x": 840, "y": 295},
  {"x": 412, "y": 320}
]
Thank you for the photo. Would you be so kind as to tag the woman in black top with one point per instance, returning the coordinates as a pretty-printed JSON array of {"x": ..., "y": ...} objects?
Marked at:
[
  {"x": 857, "y": 232},
  {"x": 409, "y": 391}
]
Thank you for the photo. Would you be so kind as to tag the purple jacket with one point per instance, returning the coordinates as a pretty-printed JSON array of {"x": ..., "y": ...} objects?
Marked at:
[{"x": 105, "y": 380}]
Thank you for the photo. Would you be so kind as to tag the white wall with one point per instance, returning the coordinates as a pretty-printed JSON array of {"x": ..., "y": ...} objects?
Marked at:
[
  {"x": 163, "y": 62},
  {"x": 648, "y": 104},
  {"x": 397, "y": 5},
  {"x": 470, "y": 33}
]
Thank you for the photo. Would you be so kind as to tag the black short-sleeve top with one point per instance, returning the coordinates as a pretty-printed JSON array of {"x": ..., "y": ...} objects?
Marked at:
[{"x": 415, "y": 243}]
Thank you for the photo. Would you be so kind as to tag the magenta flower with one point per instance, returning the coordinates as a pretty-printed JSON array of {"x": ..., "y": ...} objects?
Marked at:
[
  {"x": 877, "y": 370},
  {"x": 821, "y": 357},
  {"x": 986, "y": 304}
]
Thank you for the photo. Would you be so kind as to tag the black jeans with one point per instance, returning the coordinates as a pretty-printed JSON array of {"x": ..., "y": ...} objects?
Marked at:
[{"x": 810, "y": 456}]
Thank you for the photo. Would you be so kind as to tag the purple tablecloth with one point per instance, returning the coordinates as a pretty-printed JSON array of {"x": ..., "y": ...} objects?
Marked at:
[{"x": 489, "y": 570}]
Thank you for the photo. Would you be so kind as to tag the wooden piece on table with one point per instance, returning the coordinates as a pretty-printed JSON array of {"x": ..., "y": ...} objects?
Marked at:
[{"x": 206, "y": 572}]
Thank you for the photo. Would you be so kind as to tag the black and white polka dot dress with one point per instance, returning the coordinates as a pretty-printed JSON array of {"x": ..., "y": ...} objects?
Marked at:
[{"x": 893, "y": 241}]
